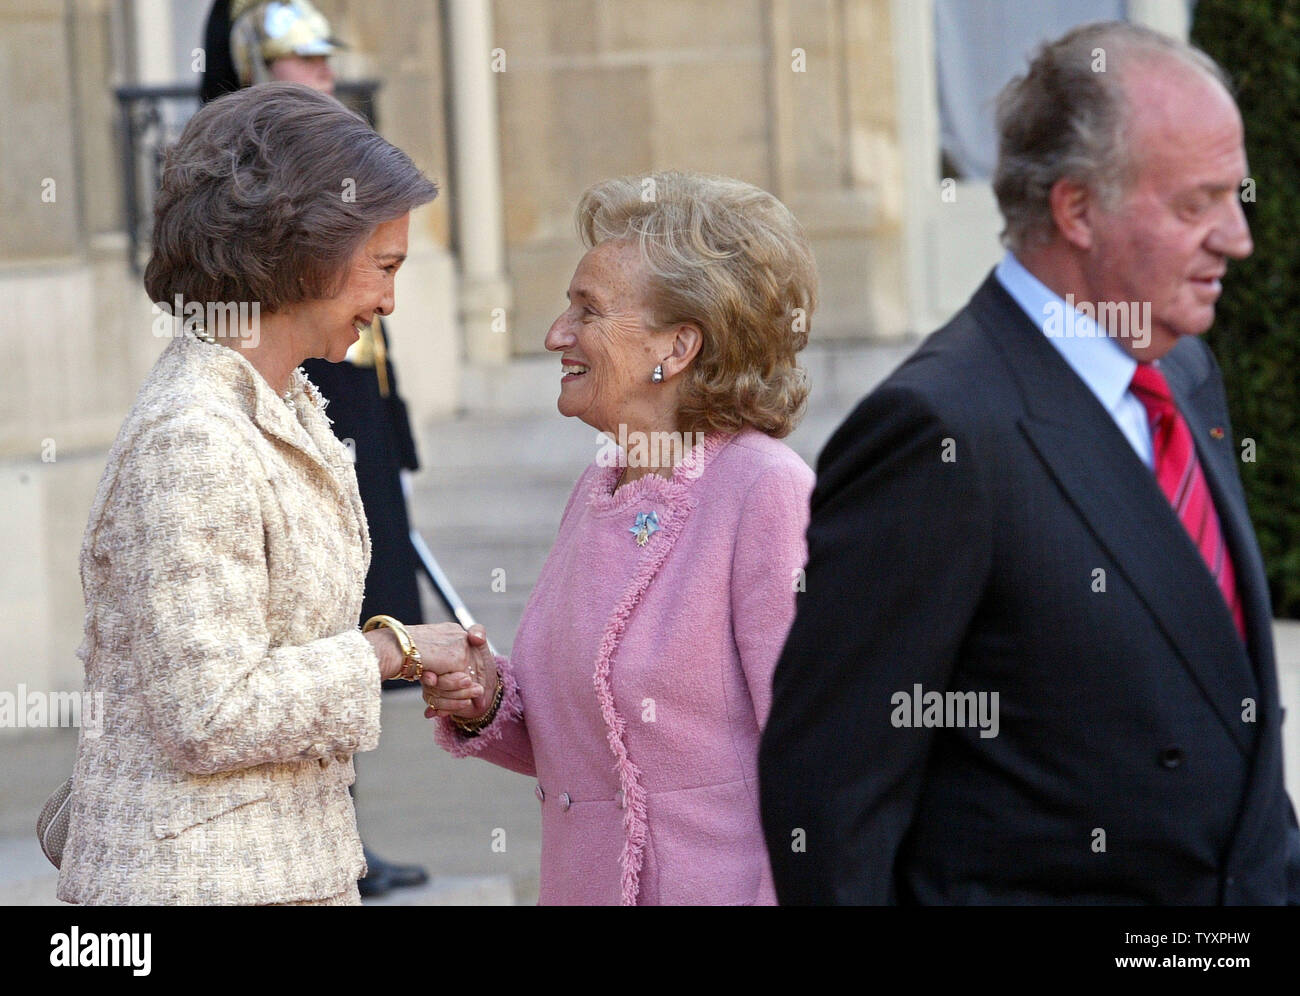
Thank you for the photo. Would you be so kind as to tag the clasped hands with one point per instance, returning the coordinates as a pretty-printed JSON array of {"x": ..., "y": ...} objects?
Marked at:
[{"x": 460, "y": 674}]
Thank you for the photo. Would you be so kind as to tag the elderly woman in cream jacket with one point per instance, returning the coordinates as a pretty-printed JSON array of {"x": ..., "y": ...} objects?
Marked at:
[
  {"x": 642, "y": 670},
  {"x": 226, "y": 550}
]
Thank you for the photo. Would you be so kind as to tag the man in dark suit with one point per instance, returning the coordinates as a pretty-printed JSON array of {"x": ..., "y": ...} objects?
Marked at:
[{"x": 1034, "y": 662}]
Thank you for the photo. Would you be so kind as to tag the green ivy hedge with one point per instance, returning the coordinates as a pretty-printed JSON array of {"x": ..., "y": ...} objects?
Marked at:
[{"x": 1256, "y": 334}]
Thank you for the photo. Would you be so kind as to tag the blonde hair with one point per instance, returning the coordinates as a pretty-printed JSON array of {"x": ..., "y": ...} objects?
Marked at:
[{"x": 731, "y": 259}]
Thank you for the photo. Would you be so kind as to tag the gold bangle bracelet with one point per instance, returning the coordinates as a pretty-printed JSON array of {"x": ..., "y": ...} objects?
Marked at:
[
  {"x": 471, "y": 727},
  {"x": 410, "y": 652}
]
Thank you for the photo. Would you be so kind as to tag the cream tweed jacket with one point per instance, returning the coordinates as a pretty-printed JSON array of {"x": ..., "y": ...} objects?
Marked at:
[{"x": 222, "y": 568}]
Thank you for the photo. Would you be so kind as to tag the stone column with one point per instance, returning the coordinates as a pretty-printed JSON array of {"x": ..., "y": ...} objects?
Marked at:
[
  {"x": 1171, "y": 18},
  {"x": 152, "y": 37},
  {"x": 484, "y": 291}
]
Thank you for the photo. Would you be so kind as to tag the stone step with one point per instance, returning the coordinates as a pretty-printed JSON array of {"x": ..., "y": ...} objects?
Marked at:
[
  {"x": 26, "y": 876},
  {"x": 508, "y": 444},
  {"x": 452, "y": 890},
  {"x": 453, "y": 504},
  {"x": 505, "y": 567}
]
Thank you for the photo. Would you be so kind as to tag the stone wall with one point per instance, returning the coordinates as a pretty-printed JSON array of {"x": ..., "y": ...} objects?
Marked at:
[
  {"x": 75, "y": 326},
  {"x": 796, "y": 97},
  {"x": 590, "y": 89}
]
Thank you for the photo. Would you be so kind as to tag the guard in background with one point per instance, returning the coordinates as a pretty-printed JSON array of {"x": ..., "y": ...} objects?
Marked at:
[
  {"x": 253, "y": 41},
  {"x": 370, "y": 417}
]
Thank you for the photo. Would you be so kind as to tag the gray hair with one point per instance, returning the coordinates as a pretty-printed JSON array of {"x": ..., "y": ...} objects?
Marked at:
[
  {"x": 255, "y": 202},
  {"x": 1066, "y": 117}
]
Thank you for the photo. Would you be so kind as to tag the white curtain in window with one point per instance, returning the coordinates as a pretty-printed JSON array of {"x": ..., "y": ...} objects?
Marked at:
[{"x": 980, "y": 45}]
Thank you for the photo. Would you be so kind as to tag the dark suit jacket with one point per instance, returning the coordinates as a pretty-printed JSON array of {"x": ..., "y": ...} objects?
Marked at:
[{"x": 1123, "y": 770}]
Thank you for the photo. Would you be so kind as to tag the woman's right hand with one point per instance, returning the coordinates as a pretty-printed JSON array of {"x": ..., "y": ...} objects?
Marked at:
[
  {"x": 465, "y": 706},
  {"x": 445, "y": 651}
]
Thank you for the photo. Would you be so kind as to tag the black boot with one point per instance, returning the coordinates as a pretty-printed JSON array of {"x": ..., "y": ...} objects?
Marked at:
[{"x": 382, "y": 876}]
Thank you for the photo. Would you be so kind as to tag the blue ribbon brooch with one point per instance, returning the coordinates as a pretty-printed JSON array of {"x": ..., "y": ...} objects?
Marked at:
[{"x": 647, "y": 524}]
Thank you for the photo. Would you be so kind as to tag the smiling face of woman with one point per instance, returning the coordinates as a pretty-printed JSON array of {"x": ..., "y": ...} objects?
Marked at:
[
  {"x": 327, "y": 327},
  {"x": 608, "y": 350}
]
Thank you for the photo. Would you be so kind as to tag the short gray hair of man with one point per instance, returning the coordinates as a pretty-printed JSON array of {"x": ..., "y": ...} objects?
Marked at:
[{"x": 1067, "y": 117}]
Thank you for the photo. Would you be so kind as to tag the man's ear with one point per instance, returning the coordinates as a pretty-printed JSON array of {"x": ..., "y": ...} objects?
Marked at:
[
  {"x": 1071, "y": 203},
  {"x": 687, "y": 340}
]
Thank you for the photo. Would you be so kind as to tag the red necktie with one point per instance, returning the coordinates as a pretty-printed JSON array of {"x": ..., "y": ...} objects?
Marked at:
[{"x": 1180, "y": 477}]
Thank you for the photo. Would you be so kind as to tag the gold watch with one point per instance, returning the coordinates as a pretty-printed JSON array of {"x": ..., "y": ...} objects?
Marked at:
[{"x": 410, "y": 652}]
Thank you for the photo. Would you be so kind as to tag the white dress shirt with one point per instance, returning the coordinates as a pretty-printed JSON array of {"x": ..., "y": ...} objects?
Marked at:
[{"x": 1094, "y": 356}]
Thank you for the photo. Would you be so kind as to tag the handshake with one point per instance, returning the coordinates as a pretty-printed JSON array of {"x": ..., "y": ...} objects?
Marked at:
[{"x": 460, "y": 674}]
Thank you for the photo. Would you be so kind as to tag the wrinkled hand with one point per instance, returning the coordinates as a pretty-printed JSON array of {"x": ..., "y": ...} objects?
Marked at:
[
  {"x": 467, "y": 694},
  {"x": 450, "y": 665},
  {"x": 444, "y": 651}
]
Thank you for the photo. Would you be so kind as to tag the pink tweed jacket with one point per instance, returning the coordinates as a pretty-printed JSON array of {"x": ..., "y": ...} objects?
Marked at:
[
  {"x": 641, "y": 677},
  {"x": 223, "y": 567}
]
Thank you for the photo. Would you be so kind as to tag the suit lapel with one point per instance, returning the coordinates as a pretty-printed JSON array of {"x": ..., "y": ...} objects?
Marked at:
[
  {"x": 249, "y": 391},
  {"x": 1197, "y": 403},
  {"x": 342, "y": 473},
  {"x": 314, "y": 441},
  {"x": 1118, "y": 498}
]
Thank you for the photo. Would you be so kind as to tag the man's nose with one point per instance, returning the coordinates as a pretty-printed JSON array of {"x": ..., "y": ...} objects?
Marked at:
[{"x": 1231, "y": 236}]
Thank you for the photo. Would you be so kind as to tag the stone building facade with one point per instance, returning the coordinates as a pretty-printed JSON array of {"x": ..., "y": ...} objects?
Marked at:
[{"x": 514, "y": 106}]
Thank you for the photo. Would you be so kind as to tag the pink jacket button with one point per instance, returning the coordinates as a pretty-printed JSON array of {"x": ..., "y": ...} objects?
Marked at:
[
  {"x": 565, "y": 801},
  {"x": 541, "y": 796}
]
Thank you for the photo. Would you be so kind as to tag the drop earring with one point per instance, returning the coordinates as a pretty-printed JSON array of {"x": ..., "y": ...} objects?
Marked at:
[{"x": 658, "y": 376}]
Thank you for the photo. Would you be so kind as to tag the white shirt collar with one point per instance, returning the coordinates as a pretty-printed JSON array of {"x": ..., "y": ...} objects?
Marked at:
[{"x": 1094, "y": 356}]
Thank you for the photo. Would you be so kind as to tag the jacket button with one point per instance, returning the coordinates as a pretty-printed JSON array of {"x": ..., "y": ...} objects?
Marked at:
[
  {"x": 541, "y": 796},
  {"x": 1171, "y": 757},
  {"x": 621, "y": 799},
  {"x": 565, "y": 801}
]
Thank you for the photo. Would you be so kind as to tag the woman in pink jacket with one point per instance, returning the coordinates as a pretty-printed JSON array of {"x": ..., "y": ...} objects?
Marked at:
[{"x": 642, "y": 668}]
